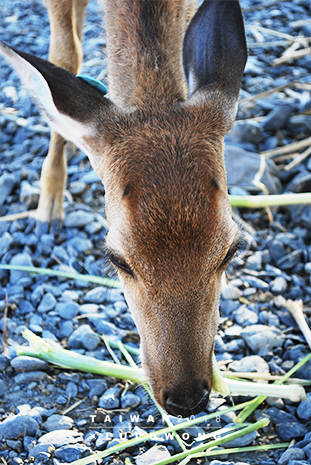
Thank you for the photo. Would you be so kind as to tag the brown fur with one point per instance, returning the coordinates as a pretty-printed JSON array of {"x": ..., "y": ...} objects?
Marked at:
[{"x": 160, "y": 157}]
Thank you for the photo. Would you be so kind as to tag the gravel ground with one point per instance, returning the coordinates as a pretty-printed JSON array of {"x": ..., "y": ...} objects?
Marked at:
[{"x": 37, "y": 423}]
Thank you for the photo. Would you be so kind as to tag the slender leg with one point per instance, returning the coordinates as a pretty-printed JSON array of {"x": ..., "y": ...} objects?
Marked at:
[{"x": 66, "y": 20}]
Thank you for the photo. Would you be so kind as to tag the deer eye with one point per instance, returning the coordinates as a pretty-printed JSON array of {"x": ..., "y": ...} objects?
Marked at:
[
  {"x": 237, "y": 247},
  {"x": 119, "y": 263}
]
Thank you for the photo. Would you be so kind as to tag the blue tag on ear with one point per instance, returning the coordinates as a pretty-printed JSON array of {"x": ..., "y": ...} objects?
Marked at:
[{"x": 94, "y": 82}]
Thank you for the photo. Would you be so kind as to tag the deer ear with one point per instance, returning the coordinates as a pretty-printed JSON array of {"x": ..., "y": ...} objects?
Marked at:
[
  {"x": 68, "y": 103},
  {"x": 215, "y": 53}
]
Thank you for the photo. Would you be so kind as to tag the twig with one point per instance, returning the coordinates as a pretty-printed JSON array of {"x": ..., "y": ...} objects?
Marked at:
[
  {"x": 298, "y": 160},
  {"x": 272, "y": 32},
  {"x": 294, "y": 56},
  {"x": 18, "y": 216},
  {"x": 267, "y": 93},
  {"x": 295, "y": 307},
  {"x": 5, "y": 328},
  {"x": 264, "y": 376},
  {"x": 72, "y": 407},
  {"x": 290, "y": 148}
]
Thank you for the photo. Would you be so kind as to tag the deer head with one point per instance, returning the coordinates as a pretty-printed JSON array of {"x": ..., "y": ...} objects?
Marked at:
[{"x": 157, "y": 144}]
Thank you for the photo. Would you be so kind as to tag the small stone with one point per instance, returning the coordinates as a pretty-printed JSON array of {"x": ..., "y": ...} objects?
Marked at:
[
  {"x": 277, "y": 250},
  {"x": 84, "y": 337},
  {"x": 47, "y": 303},
  {"x": 110, "y": 399},
  {"x": 241, "y": 441},
  {"x": 293, "y": 453},
  {"x": 278, "y": 117},
  {"x": 304, "y": 408},
  {"x": 289, "y": 261},
  {"x": 155, "y": 454},
  {"x": 101, "y": 441},
  {"x": 78, "y": 219},
  {"x": 244, "y": 317},
  {"x": 255, "y": 282},
  {"x": 29, "y": 195},
  {"x": 7, "y": 183},
  {"x": 35, "y": 451},
  {"x": 251, "y": 363},
  {"x": 230, "y": 292},
  {"x": 71, "y": 452},
  {"x": 98, "y": 387},
  {"x": 21, "y": 259},
  {"x": 61, "y": 437},
  {"x": 71, "y": 390},
  {"x": 130, "y": 400},
  {"x": 122, "y": 429},
  {"x": 254, "y": 262},
  {"x": 30, "y": 376},
  {"x": 279, "y": 285},
  {"x": 18, "y": 426},
  {"x": 67, "y": 310},
  {"x": 258, "y": 336},
  {"x": 96, "y": 295},
  {"x": 24, "y": 363},
  {"x": 56, "y": 422}
]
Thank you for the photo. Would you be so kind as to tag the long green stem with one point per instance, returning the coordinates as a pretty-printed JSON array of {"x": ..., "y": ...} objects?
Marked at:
[
  {"x": 241, "y": 418},
  {"x": 263, "y": 201},
  {"x": 68, "y": 359},
  {"x": 216, "y": 442},
  {"x": 235, "y": 450},
  {"x": 64, "y": 274}
]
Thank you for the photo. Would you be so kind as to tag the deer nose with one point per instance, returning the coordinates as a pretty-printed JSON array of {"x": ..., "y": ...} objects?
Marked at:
[{"x": 178, "y": 403}]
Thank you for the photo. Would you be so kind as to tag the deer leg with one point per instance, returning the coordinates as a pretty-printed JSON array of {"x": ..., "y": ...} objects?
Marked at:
[{"x": 66, "y": 20}]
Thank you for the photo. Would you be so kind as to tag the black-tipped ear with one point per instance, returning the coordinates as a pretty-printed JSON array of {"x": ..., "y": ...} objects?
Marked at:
[
  {"x": 214, "y": 49},
  {"x": 68, "y": 103}
]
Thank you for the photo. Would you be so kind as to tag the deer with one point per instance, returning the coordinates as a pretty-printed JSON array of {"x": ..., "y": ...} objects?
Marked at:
[{"x": 156, "y": 141}]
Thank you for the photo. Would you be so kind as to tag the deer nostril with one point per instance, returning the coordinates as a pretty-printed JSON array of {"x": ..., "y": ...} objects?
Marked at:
[{"x": 186, "y": 407}]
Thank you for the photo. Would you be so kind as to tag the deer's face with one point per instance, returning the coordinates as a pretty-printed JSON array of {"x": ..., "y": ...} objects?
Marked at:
[{"x": 170, "y": 237}]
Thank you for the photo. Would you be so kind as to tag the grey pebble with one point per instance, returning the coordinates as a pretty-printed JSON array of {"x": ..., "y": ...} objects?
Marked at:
[
  {"x": 122, "y": 429},
  {"x": 84, "y": 337},
  {"x": 258, "y": 336},
  {"x": 78, "y": 219},
  {"x": 241, "y": 441},
  {"x": 20, "y": 259},
  {"x": 67, "y": 310},
  {"x": 30, "y": 376},
  {"x": 231, "y": 293},
  {"x": 98, "y": 387},
  {"x": 29, "y": 195},
  {"x": 244, "y": 317},
  {"x": 36, "y": 450},
  {"x": 72, "y": 452},
  {"x": 18, "y": 425},
  {"x": 56, "y": 422},
  {"x": 61, "y": 437},
  {"x": 24, "y": 363},
  {"x": 251, "y": 363},
  {"x": 130, "y": 400},
  {"x": 279, "y": 285},
  {"x": 110, "y": 399},
  {"x": 293, "y": 453},
  {"x": 278, "y": 117},
  {"x": 96, "y": 295},
  {"x": 47, "y": 303},
  {"x": 304, "y": 408},
  {"x": 155, "y": 454},
  {"x": 289, "y": 261},
  {"x": 7, "y": 183},
  {"x": 66, "y": 328},
  {"x": 71, "y": 390},
  {"x": 255, "y": 282}
]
